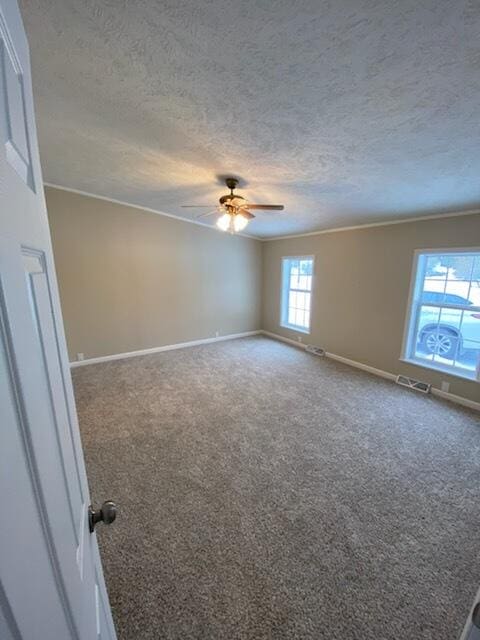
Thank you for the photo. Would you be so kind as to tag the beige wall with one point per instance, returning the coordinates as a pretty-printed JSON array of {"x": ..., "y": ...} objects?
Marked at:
[
  {"x": 131, "y": 279},
  {"x": 361, "y": 288}
]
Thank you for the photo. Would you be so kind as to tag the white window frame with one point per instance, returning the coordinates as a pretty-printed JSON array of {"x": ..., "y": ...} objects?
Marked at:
[
  {"x": 410, "y": 328},
  {"x": 284, "y": 295}
]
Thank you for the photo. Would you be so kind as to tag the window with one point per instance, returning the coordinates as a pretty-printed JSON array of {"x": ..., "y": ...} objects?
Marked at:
[
  {"x": 297, "y": 274},
  {"x": 443, "y": 324}
]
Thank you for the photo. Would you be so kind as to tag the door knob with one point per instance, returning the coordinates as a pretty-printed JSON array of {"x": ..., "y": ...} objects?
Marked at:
[{"x": 106, "y": 514}]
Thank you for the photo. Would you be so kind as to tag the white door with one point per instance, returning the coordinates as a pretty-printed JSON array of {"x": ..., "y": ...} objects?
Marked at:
[
  {"x": 472, "y": 628},
  {"x": 51, "y": 581}
]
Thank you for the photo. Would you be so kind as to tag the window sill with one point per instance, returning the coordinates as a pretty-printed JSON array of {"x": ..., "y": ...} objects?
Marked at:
[
  {"x": 443, "y": 369},
  {"x": 294, "y": 328}
]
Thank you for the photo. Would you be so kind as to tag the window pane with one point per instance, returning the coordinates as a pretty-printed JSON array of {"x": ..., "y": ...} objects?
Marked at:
[
  {"x": 427, "y": 322},
  {"x": 302, "y": 282},
  {"x": 447, "y": 338},
  {"x": 474, "y": 296},
  {"x": 459, "y": 266},
  {"x": 457, "y": 289},
  {"x": 468, "y": 351},
  {"x": 435, "y": 268},
  {"x": 306, "y": 267},
  {"x": 435, "y": 285},
  {"x": 470, "y": 330},
  {"x": 296, "y": 283}
]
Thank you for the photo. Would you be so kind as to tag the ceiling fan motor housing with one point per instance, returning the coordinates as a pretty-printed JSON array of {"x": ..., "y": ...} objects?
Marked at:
[
  {"x": 234, "y": 205},
  {"x": 230, "y": 201}
]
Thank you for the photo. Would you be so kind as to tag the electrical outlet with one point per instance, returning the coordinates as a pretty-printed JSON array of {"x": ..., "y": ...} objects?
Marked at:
[
  {"x": 80, "y": 356},
  {"x": 445, "y": 386},
  {"x": 217, "y": 334},
  {"x": 299, "y": 338}
]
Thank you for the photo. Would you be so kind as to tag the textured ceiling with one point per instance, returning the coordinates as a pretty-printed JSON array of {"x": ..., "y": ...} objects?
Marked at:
[{"x": 346, "y": 111}]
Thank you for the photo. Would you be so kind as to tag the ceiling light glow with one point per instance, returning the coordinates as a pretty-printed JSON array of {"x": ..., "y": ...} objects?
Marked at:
[
  {"x": 239, "y": 222},
  {"x": 233, "y": 222}
]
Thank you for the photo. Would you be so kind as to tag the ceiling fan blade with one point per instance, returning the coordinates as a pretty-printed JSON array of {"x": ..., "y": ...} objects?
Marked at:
[
  {"x": 204, "y": 215},
  {"x": 267, "y": 207},
  {"x": 195, "y": 206},
  {"x": 246, "y": 214}
]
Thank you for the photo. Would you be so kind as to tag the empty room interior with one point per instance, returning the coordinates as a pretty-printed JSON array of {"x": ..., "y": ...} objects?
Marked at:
[{"x": 249, "y": 336}]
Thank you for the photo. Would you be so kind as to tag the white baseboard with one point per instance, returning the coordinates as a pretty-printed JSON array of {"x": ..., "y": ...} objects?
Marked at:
[
  {"x": 363, "y": 367},
  {"x": 276, "y": 336},
  {"x": 471, "y": 404},
  {"x": 167, "y": 347}
]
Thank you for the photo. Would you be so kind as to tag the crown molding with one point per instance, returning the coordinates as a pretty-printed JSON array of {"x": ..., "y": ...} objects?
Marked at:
[
  {"x": 370, "y": 225},
  {"x": 78, "y": 192}
]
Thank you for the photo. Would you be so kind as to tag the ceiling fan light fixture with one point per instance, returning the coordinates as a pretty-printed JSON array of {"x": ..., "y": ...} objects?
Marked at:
[
  {"x": 233, "y": 209},
  {"x": 239, "y": 222},
  {"x": 224, "y": 222},
  {"x": 233, "y": 222}
]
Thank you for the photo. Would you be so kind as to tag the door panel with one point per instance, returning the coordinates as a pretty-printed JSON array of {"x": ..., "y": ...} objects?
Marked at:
[
  {"x": 27, "y": 574},
  {"x": 46, "y": 343},
  {"x": 14, "y": 127},
  {"x": 102, "y": 621}
]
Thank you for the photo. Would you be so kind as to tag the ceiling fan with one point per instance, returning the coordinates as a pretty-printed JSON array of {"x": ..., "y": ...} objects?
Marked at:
[{"x": 233, "y": 209}]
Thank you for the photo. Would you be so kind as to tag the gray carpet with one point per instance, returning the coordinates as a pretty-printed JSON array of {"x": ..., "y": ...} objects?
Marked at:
[{"x": 268, "y": 493}]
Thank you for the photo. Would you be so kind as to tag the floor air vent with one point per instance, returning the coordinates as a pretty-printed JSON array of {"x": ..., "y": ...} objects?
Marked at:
[
  {"x": 411, "y": 383},
  {"x": 317, "y": 351}
]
